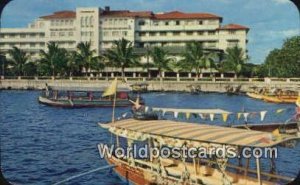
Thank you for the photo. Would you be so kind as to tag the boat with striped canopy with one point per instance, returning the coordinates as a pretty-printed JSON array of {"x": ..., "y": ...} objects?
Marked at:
[
  {"x": 212, "y": 170},
  {"x": 87, "y": 96}
]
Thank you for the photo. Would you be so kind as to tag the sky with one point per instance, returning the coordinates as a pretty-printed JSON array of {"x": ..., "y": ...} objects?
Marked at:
[{"x": 270, "y": 21}]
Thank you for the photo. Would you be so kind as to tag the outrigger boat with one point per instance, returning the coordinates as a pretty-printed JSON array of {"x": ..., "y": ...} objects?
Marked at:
[
  {"x": 191, "y": 171},
  {"x": 79, "y": 97},
  {"x": 275, "y": 95}
]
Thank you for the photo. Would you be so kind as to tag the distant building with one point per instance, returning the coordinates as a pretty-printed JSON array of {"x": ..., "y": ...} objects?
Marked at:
[{"x": 145, "y": 29}]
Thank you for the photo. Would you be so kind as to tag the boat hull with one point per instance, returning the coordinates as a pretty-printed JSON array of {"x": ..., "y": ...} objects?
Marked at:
[
  {"x": 84, "y": 103},
  {"x": 255, "y": 96}
]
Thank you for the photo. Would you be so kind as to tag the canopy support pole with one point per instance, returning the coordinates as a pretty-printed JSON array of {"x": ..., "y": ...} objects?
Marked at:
[
  {"x": 114, "y": 106},
  {"x": 258, "y": 171},
  {"x": 246, "y": 168}
]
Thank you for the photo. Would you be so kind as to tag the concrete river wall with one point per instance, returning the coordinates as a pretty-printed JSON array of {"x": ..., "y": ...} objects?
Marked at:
[{"x": 157, "y": 84}]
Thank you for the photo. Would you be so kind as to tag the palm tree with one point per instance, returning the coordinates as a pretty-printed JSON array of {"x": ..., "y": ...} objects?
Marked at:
[
  {"x": 98, "y": 64},
  {"x": 18, "y": 60},
  {"x": 160, "y": 59},
  {"x": 55, "y": 59},
  {"x": 234, "y": 59},
  {"x": 194, "y": 57},
  {"x": 86, "y": 55},
  {"x": 122, "y": 55},
  {"x": 73, "y": 63}
]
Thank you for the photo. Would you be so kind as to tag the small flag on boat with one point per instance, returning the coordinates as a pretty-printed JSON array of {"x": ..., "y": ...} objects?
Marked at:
[
  {"x": 212, "y": 117},
  {"x": 146, "y": 109},
  {"x": 225, "y": 117},
  {"x": 176, "y": 114},
  {"x": 202, "y": 116},
  {"x": 188, "y": 115},
  {"x": 246, "y": 116},
  {"x": 239, "y": 116},
  {"x": 112, "y": 89},
  {"x": 262, "y": 115}
]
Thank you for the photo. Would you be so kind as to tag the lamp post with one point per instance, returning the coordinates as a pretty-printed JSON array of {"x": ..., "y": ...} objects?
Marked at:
[{"x": 3, "y": 3}]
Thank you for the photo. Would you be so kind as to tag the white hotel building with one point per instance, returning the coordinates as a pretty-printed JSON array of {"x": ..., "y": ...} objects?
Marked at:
[{"x": 145, "y": 29}]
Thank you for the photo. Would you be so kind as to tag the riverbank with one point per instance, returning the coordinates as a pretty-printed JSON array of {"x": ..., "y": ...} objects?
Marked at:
[{"x": 157, "y": 84}]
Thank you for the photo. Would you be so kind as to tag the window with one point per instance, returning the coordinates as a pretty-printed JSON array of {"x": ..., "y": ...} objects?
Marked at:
[
  {"x": 105, "y": 33},
  {"x": 232, "y": 43},
  {"x": 232, "y": 32},
  {"x": 200, "y": 32},
  {"x": 61, "y": 34},
  {"x": 86, "y": 22},
  {"x": 189, "y": 33},
  {"x": 71, "y": 33},
  {"x": 82, "y": 21},
  {"x": 52, "y": 34},
  {"x": 176, "y": 33},
  {"x": 23, "y": 35},
  {"x": 155, "y": 23},
  {"x": 124, "y": 33},
  {"x": 211, "y": 33},
  {"x": 42, "y": 44},
  {"x": 152, "y": 34},
  {"x": 177, "y": 23},
  {"x": 200, "y": 22},
  {"x": 141, "y": 34},
  {"x": 211, "y": 44},
  {"x": 91, "y": 21},
  {"x": 141, "y": 23},
  {"x": 115, "y": 33},
  {"x": 32, "y": 45},
  {"x": 163, "y": 33},
  {"x": 167, "y": 23}
]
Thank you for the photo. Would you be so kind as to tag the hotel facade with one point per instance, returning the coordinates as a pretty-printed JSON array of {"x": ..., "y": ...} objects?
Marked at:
[{"x": 144, "y": 29}]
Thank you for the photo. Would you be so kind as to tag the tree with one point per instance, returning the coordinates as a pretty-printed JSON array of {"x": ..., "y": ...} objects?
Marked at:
[
  {"x": 195, "y": 58},
  {"x": 98, "y": 64},
  {"x": 73, "y": 63},
  {"x": 53, "y": 61},
  {"x": 86, "y": 55},
  {"x": 284, "y": 62},
  {"x": 234, "y": 59},
  {"x": 18, "y": 60},
  {"x": 122, "y": 55},
  {"x": 160, "y": 59}
]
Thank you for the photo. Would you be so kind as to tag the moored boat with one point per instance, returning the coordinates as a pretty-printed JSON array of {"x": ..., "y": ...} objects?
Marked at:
[
  {"x": 172, "y": 170},
  {"x": 79, "y": 97},
  {"x": 254, "y": 95}
]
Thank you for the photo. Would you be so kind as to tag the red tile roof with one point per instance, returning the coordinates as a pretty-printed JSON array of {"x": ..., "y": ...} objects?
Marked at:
[
  {"x": 61, "y": 15},
  {"x": 233, "y": 27},
  {"x": 181, "y": 15},
  {"x": 127, "y": 13}
]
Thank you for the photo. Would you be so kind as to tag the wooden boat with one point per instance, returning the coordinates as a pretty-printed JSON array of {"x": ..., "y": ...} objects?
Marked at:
[
  {"x": 290, "y": 128},
  {"x": 192, "y": 171},
  {"x": 279, "y": 99},
  {"x": 254, "y": 95},
  {"x": 275, "y": 95},
  {"x": 140, "y": 87},
  {"x": 79, "y": 97}
]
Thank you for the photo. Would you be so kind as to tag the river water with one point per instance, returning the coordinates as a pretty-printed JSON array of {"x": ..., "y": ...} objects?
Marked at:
[{"x": 44, "y": 145}]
